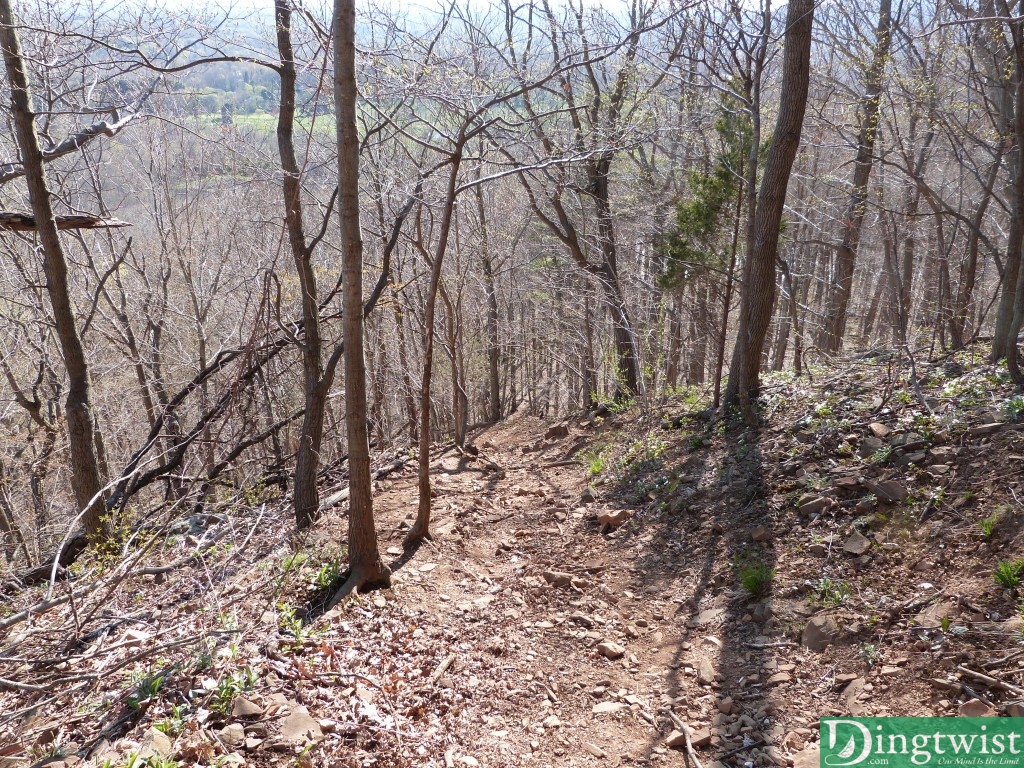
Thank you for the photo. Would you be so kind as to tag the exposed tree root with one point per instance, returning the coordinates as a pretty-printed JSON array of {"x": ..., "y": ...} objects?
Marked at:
[{"x": 361, "y": 580}]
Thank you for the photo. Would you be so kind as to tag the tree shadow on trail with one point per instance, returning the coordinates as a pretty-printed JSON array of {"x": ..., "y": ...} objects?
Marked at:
[{"x": 688, "y": 558}]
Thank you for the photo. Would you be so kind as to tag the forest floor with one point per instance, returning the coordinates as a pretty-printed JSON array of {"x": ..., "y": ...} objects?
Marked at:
[{"x": 594, "y": 589}]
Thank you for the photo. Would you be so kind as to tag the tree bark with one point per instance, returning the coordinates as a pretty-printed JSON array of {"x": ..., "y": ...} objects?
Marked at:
[
  {"x": 85, "y": 473},
  {"x": 846, "y": 255},
  {"x": 759, "y": 271},
  {"x": 307, "y": 497},
  {"x": 365, "y": 564}
]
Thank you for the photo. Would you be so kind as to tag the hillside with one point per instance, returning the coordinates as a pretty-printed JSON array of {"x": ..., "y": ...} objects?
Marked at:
[{"x": 595, "y": 588}]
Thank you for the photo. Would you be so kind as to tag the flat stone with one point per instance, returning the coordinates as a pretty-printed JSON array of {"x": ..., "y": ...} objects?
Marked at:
[
  {"x": 700, "y": 737},
  {"x": 879, "y": 430},
  {"x": 761, "y": 533},
  {"x": 155, "y": 743},
  {"x": 705, "y": 617},
  {"x": 890, "y": 491},
  {"x": 589, "y": 496},
  {"x": 556, "y": 431},
  {"x": 592, "y": 749},
  {"x": 557, "y": 578},
  {"x": 705, "y": 672},
  {"x": 675, "y": 739},
  {"x": 609, "y": 707},
  {"x": 614, "y": 518},
  {"x": 611, "y": 650},
  {"x": 232, "y": 735},
  {"x": 857, "y": 544},
  {"x": 850, "y": 694},
  {"x": 984, "y": 429},
  {"x": 779, "y": 677},
  {"x": 820, "y": 633},
  {"x": 932, "y": 616},
  {"x": 808, "y": 506},
  {"x": 869, "y": 446},
  {"x": 975, "y": 708},
  {"x": 807, "y": 758},
  {"x": 243, "y": 708},
  {"x": 551, "y": 721},
  {"x": 301, "y": 729}
]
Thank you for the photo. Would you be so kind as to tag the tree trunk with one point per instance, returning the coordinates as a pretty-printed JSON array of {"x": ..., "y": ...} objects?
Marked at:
[
  {"x": 846, "y": 255},
  {"x": 366, "y": 567},
  {"x": 759, "y": 270},
  {"x": 85, "y": 473},
  {"x": 421, "y": 528},
  {"x": 493, "y": 349},
  {"x": 307, "y": 497}
]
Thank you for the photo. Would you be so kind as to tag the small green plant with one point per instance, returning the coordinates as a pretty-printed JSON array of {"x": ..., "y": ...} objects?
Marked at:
[
  {"x": 328, "y": 574},
  {"x": 1013, "y": 408},
  {"x": 147, "y": 687},
  {"x": 902, "y": 397},
  {"x": 1007, "y": 573},
  {"x": 756, "y": 578},
  {"x": 831, "y": 592},
  {"x": 595, "y": 460},
  {"x": 882, "y": 456},
  {"x": 869, "y": 652},
  {"x": 238, "y": 682},
  {"x": 988, "y": 524},
  {"x": 293, "y": 560},
  {"x": 174, "y": 723},
  {"x": 946, "y": 623}
]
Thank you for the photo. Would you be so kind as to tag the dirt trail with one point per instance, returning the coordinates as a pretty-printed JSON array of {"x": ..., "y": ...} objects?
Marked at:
[{"x": 525, "y": 587}]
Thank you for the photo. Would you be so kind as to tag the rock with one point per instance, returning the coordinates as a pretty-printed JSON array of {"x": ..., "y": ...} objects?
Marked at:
[
  {"x": 469, "y": 761},
  {"x": 552, "y": 721},
  {"x": 299, "y": 728},
  {"x": 155, "y": 743},
  {"x": 557, "y": 578},
  {"x": 232, "y": 735},
  {"x": 136, "y": 637},
  {"x": 592, "y": 749},
  {"x": 857, "y": 544},
  {"x": 777, "y": 758},
  {"x": 589, "y": 496},
  {"x": 869, "y": 446},
  {"x": 609, "y": 707},
  {"x": 675, "y": 739},
  {"x": 817, "y": 550},
  {"x": 582, "y": 619},
  {"x": 850, "y": 694},
  {"x": 1015, "y": 710},
  {"x": 890, "y": 491},
  {"x": 556, "y": 431},
  {"x": 725, "y": 706},
  {"x": 975, "y": 708},
  {"x": 819, "y": 633},
  {"x": 707, "y": 616},
  {"x": 879, "y": 430},
  {"x": 761, "y": 533},
  {"x": 779, "y": 677},
  {"x": 700, "y": 737},
  {"x": 985, "y": 429},
  {"x": 705, "y": 672},
  {"x": 807, "y": 758},
  {"x": 932, "y": 616},
  {"x": 613, "y": 518},
  {"x": 252, "y": 744},
  {"x": 808, "y": 504},
  {"x": 611, "y": 650},
  {"x": 243, "y": 708}
]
